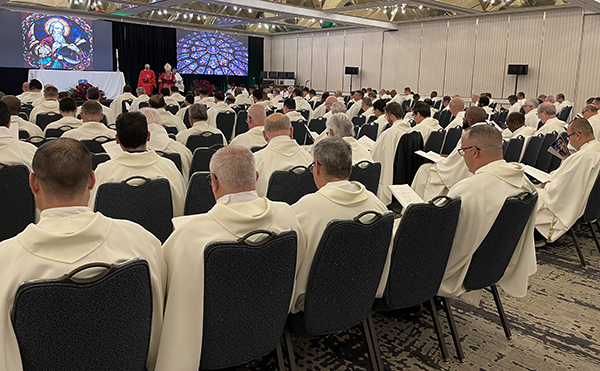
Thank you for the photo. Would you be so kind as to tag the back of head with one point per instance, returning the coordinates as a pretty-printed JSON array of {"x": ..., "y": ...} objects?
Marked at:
[
  {"x": 379, "y": 106},
  {"x": 68, "y": 105},
  {"x": 219, "y": 96},
  {"x": 433, "y": 94},
  {"x": 157, "y": 101},
  {"x": 258, "y": 115},
  {"x": 394, "y": 108},
  {"x": 174, "y": 89},
  {"x": 534, "y": 103},
  {"x": 488, "y": 139},
  {"x": 277, "y": 123},
  {"x": 447, "y": 98},
  {"x": 360, "y": 93},
  {"x": 560, "y": 96},
  {"x": 13, "y": 104},
  {"x": 512, "y": 98},
  {"x": 484, "y": 101},
  {"x": 235, "y": 169},
  {"x": 297, "y": 92},
  {"x": 290, "y": 103},
  {"x": 515, "y": 120},
  {"x": 165, "y": 92},
  {"x": 341, "y": 125},
  {"x": 422, "y": 108},
  {"x": 63, "y": 167},
  {"x": 203, "y": 91},
  {"x": 428, "y": 101},
  {"x": 230, "y": 100},
  {"x": 4, "y": 114},
  {"x": 93, "y": 94},
  {"x": 521, "y": 95},
  {"x": 139, "y": 91},
  {"x": 338, "y": 107},
  {"x": 197, "y": 111},
  {"x": 152, "y": 115},
  {"x": 258, "y": 94},
  {"x": 583, "y": 127},
  {"x": 92, "y": 110},
  {"x": 51, "y": 92},
  {"x": 372, "y": 95},
  {"x": 476, "y": 114},
  {"x": 590, "y": 107},
  {"x": 62, "y": 94},
  {"x": 35, "y": 84},
  {"x": 457, "y": 103},
  {"x": 547, "y": 108},
  {"x": 132, "y": 129},
  {"x": 126, "y": 89},
  {"x": 189, "y": 98},
  {"x": 334, "y": 155},
  {"x": 276, "y": 91},
  {"x": 367, "y": 102}
]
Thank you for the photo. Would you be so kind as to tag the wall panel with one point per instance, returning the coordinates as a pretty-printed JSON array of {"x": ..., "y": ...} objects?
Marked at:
[
  {"x": 304, "y": 57},
  {"x": 433, "y": 57},
  {"x": 277, "y": 58},
  {"x": 335, "y": 61},
  {"x": 290, "y": 56},
  {"x": 490, "y": 55},
  {"x": 371, "y": 66},
  {"x": 407, "y": 57},
  {"x": 460, "y": 57},
  {"x": 388, "y": 66},
  {"x": 319, "y": 62},
  {"x": 353, "y": 56},
  {"x": 588, "y": 84},
  {"x": 268, "y": 53}
]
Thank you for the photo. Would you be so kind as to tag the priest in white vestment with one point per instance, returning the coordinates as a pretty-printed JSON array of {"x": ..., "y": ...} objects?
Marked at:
[
  {"x": 26, "y": 91},
  {"x": 35, "y": 92},
  {"x": 531, "y": 118},
  {"x": 198, "y": 119},
  {"x": 301, "y": 103},
  {"x": 49, "y": 105},
  {"x": 91, "y": 114},
  {"x": 254, "y": 136},
  {"x": 547, "y": 114},
  {"x": 564, "y": 197},
  {"x": 357, "y": 105},
  {"x": 219, "y": 107},
  {"x": 238, "y": 211},
  {"x": 516, "y": 127},
  {"x": 337, "y": 198},
  {"x": 141, "y": 98},
  {"x": 367, "y": 107},
  {"x": 68, "y": 236},
  {"x": 14, "y": 106},
  {"x": 117, "y": 104},
  {"x": 515, "y": 106},
  {"x": 379, "y": 112},
  {"x": 67, "y": 108},
  {"x": 175, "y": 93},
  {"x": 188, "y": 101},
  {"x": 340, "y": 126},
  {"x": 12, "y": 150},
  {"x": 325, "y": 107},
  {"x": 483, "y": 196},
  {"x": 289, "y": 109},
  {"x": 281, "y": 153},
  {"x": 384, "y": 149},
  {"x": 93, "y": 94},
  {"x": 561, "y": 102},
  {"x": 137, "y": 160},
  {"x": 168, "y": 119},
  {"x": 205, "y": 99},
  {"x": 425, "y": 123},
  {"x": 590, "y": 113}
]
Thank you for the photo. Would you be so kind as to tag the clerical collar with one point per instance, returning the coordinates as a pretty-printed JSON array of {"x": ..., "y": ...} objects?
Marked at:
[{"x": 238, "y": 198}]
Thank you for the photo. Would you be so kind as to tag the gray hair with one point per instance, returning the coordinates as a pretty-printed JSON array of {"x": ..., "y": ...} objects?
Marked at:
[
  {"x": 140, "y": 91},
  {"x": 91, "y": 109},
  {"x": 197, "y": 111},
  {"x": 341, "y": 125},
  {"x": 235, "y": 168},
  {"x": 532, "y": 103},
  {"x": 548, "y": 108},
  {"x": 338, "y": 107},
  {"x": 277, "y": 122},
  {"x": 257, "y": 112},
  {"x": 486, "y": 137},
  {"x": 335, "y": 157},
  {"x": 152, "y": 115},
  {"x": 276, "y": 91},
  {"x": 367, "y": 102}
]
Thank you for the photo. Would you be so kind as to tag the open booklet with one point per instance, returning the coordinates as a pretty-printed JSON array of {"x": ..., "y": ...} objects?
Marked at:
[
  {"x": 559, "y": 148},
  {"x": 405, "y": 195},
  {"x": 429, "y": 155},
  {"x": 112, "y": 148},
  {"x": 538, "y": 174},
  {"x": 366, "y": 141}
]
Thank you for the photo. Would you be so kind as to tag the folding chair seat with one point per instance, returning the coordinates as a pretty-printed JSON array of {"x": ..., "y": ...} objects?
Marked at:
[{"x": 291, "y": 185}]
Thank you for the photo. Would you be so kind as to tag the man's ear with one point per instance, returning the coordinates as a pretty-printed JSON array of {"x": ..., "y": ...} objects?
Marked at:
[
  {"x": 292, "y": 132},
  {"x": 34, "y": 183},
  {"x": 91, "y": 181}
]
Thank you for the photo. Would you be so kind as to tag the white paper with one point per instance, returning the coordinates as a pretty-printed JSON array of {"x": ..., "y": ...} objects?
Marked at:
[
  {"x": 366, "y": 141},
  {"x": 181, "y": 221},
  {"x": 14, "y": 130},
  {"x": 112, "y": 148},
  {"x": 429, "y": 155},
  {"x": 404, "y": 194},
  {"x": 537, "y": 173}
]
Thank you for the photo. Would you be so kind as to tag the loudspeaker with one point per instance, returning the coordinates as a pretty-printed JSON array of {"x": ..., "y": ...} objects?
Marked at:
[
  {"x": 272, "y": 74},
  {"x": 289, "y": 75},
  {"x": 281, "y": 75},
  {"x": 518, "y": 69},
  {"x": 351, "y": 70},
  {"x": 263, "y": 74}
]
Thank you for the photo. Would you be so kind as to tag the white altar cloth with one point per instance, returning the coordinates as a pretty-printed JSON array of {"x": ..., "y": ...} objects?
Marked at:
[{"x": 110, "y": 82}]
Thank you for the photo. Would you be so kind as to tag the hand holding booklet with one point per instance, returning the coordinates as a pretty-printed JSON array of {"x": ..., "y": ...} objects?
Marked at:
[{"x": 559, "y": 148}]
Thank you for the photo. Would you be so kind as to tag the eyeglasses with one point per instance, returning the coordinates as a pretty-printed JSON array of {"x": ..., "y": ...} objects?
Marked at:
[
  {"x": 209, "y": 179},
  {"x": 585, "y": 111},
  {"x": 312, "y": 166},
  {"x": 461, "y": 151},
  {"x": 573, "y": 133}
]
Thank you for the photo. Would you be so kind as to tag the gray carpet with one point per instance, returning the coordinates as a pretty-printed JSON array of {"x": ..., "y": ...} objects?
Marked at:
[{"x": 555, "y": 327}]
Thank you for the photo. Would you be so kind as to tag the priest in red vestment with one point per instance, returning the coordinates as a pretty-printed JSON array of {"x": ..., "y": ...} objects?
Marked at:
[
  {"x": 167, "y": 78},
  {"x": 147, "y": 79}
]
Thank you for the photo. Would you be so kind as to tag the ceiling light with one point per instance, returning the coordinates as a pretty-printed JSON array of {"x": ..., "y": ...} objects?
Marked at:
[
  {"x": 99, "y": 3},
  {"x": 421, "y": 6},
  {"x": 312, "y": 20},
  {"x": 259, "y": 25},
  {"x": 384, "y": 11},
  {"x": 235, "y": 8},
  {"x": 185, "y": 16},
  {"x": 225, "y": 7},
  {"x": 204, "y": 17},
  {"x": 403, "y": 5},
  {"x": 403, "y": 11},
  {"x": 198, "y": 16},
  {"x": 250, "y": 10},
  {"x": 321, "y": 21}
]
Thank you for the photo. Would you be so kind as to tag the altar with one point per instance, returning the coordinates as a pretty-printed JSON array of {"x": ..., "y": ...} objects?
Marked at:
[{"x": 110, "y": 82}]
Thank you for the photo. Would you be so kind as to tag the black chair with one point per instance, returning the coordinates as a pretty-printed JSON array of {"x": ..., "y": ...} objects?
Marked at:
[
  {"x": 514, "y": 149},
  {"x": 238, "y": 108},
  {"x": 544, "y": 157},
  {"x": 17, "y": 206},
  {"x": 100, "y": 323},
  {"x": 37, "y": 140},
  {"x": 305, "y": 113},
  {"x": 554, "y": 160},
  {"x": 437, "y": 115},
  {"x": 127, "y": 201},
  {"x": 95, "y": 145},
  {"x": 256, "y": 149},
  {"x": 445, "y": 118},
  {"x": 199, "y": 198},
  {"x": 172, "y": 136},
  {"x": 502, "y": 117},
  {"x": 422, "y": 245},
  {"x": 246, "y": 305},
  {"x": 206, "y": 139},
  {"x": 318, "y": 125},
  {"x": 98, "y": 158},
  {"x": 23, "y": 134},
  {"x": 300, "y": 133},
  {"x": 367, "y": 173},
  {"x": 143, "y": 105},
  {"x": 452, "y": 137},
  {"x": 532, "y": 150},
  {"x": 371, "y": 118},
  {"x": 173, "y": 108},
  {"x": 291, "y": 185},
  {"x": 186, "y": 119},
  {"x": 241, "y": 125},
  {"x": 44, "y": 119},
  {"x": 343, "y": 279},
  {"x": 494, "y": 117},
  {"x": 171, "y": 129},
  {"x": 435, "y": 141},
  {"x": 370, "y": 130},
  {"x": 225, "y": 123},
  {"x": 406, "y": 161},
  {"x": 24, "y": 115},
  {"x": 201, "y": 159},
  {"x": 564, "y": 113},
  {"x": 56, "y": 133},
  {"x": 173, "y": 156},
  {"x": 437, "y": 104},
  {"x": 26, "y": 108},
  {"x": 358, "y": 121},
  {"x": 126, "y": 104}
]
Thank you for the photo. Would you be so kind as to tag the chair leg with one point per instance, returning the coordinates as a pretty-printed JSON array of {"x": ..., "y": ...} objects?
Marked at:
[
  {"x": 453, "y": 331},
  {"x": 579, "y": 252},
  {"x": 594, "y": 235},
  {"x": 290, "y": 349},
  {"x": 501, "y": 313},
  {"x": 438, "y": 331},
  {"x": 598, "y": 225},
  {"x": 375, "y": 343},
  {"x": 280, "y": 356},
  {"x": 367, "y": 333}
]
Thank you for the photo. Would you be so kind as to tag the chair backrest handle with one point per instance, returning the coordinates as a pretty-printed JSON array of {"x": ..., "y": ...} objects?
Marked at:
[
  {"x": 376, "y": 217},
  {"x": 70, "y": 277},
  {"x": 364, "y": 164},
  {"x": 126, "y": 181},
  {"x": 3, "y": 166},
  {"x": 246, "y": 241},
  {"x": 524, "y": 196},
  {"x": 434, "y": 201},
  {"x": 302, "y": 169}
]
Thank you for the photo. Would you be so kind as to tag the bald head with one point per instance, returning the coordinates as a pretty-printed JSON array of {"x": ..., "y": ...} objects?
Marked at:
[
  {"x": 580, "y": 132},
  {"x": 277, "y": 124},
  {"x": 329, "y": 101},
  {"x": 25, "y": 86},
  {"x": 456, "y": 105},
  {"x": 256, "y": 116},
  {"x": 482, "y": 144},
  {"x": 13, "y": 104}
]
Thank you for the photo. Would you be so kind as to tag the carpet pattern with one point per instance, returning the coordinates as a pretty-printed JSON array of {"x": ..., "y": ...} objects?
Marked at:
[{"x": 555, "y": 327}]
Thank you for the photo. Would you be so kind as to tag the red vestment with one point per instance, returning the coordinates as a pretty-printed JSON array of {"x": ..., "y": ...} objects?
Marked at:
[
  {"x": 166, "y": 80},
  {"x": 147, "y": 80}
]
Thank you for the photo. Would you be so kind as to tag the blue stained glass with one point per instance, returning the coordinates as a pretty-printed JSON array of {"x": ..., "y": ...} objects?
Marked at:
[{"x": 212, "y": 54}]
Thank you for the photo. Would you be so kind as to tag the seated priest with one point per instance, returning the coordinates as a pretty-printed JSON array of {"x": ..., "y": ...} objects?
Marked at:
[
  {"x": 483, "y": 195},
  {"x": 68, "y": 236},
  {"x": 14, "y": 106},
  {"x": 340, "y": 126},
  {"x": 238, "y": 211},
  {"x": 12, "y": 150},
  {"x": 515, "y": 123},
  {"x": 425, "y": 123},
  {"x": 67, "y": 108},
  {"x": 198, "y": 116},
  {"x": 91, "y": 115},
  {"x": 256, "y": 123}
]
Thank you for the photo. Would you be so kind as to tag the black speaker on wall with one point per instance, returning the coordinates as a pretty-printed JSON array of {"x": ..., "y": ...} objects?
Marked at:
[
  {"x": 518, "y": 69},
  {"x": 351, "y": 70}
]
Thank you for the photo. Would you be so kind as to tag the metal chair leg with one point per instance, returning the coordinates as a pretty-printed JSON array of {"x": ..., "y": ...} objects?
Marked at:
[
  {"x": 375, "y": 342},
  {"x": 454, "y": 331},
  {"x": 438, "y": 331},
  {"x": 501, "y": 313},
  {"x": 367, "y": 334},
  {"x": 280, "y": 361},
  {"x": 579, "y": 252},
  {"x": 290, "y": 349},
  {"x": 594, "y": 235}
]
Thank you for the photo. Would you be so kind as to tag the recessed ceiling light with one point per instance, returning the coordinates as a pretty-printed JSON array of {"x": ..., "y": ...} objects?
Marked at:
[
  {"x": 384, "y": 11},
  {"x": 204, "y": 16},
  {"x": 235, "y": 8},
  {"x": 421, "y": 6},
  {"x": 250, "y": 10},
  {"x": 403, "y": 11}
]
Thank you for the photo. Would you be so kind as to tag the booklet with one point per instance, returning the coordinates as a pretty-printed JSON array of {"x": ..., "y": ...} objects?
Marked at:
[
  {"x": 432, "y": 156},
  {"x": 559, "y": 148},
  {"x": 536, "y": 173},
  {"x": 405, "y": 195},
  {"x": 366, "y": 141},
  {"x": 112, "y": 148}
]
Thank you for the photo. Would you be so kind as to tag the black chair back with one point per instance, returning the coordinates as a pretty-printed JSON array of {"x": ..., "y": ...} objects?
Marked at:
[
  {"x": 27, "y": 108},
  {"x": 202, "y": 156},
  {"x": 257, "y": 148},
  {"x": 544, "y": 157},
  {"x": 101, "y": 323},
  {"x": 95, "y": 145},
  {"x": 502, "y": 117},
  {"x": 56, "y": 133},
  {"x": 98, "y": 158},
  {"x": 43, "y": 119},
  {"x": 143, "y": 105},
  {"x": 370, "y": 130},
  {"x": 305, "y": 113},
  {"x": 199, "y": 198},
  {"x": 318, "y": 125},
  {"x": 148, "y": 204},
  {"x": 406, "y": 162},
  {"x": 514, "y": 149},
  {"x": 24, "y": 115},
  {"x": 345, "y": 272},
  {"x": 367, "y": 173},
  {"x": 206, "y": 139},
  {"x": 173, "y": 156},
  {"x": 437, "y": 104},
  {"x": 564, "y": 113},
  {"x": 17, "y": 206},
  {"x": 171, "y": 129},
  {"x": 437, "y": 115},
  {"x": 491, "y": 258},
  {"x": 225, "y": 123},
  {"x": 300, "y": 133},
  {"x": 23, "y": 134},
  {"x": 238, "y": 108},
  {"x": 532, "y": 150},
  {"x": 372, "y": 118},
  {"x": 186, "y": 119},
  {"x": 445, "y": 118},
  {"x": 592, "y": 208},
  {"x": 37, "y": 140},
  {"x": 291, "y": 185},
  {"x": 435, "y": 141},
  {"x": 358, "y": 121},
  {"x": 241, "y": 126},
  {"x": 126, "y": 104},
  {"x": 422, "y": 247},
  {"x": 452, "y": 137},
  {"x": 247, "y": 292},
  {"x": 173, "y": 108}
]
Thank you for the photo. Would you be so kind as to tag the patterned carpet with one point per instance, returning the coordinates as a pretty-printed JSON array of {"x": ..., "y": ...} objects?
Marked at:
[{"x": 554, "y": 328}]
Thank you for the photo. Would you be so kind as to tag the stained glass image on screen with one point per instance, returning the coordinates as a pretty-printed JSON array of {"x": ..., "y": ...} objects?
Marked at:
[
  {"x": 211, "y": 54},
  {"x": 57, "y": 42}
]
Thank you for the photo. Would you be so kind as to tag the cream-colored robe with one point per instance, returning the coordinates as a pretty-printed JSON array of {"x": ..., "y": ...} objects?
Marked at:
[
  {"x": 321, "y": 110},
  {"x": 178, "y": 97},
  {"x": 31, "y": 129},
  {"x": 595, "y": 122},
  {"x": 354, "y": 109},
  {"x": 181, "y": 340},
  {"x": 169, "y": 119},
  {"x": 214, "y": 111},
  {"x": 116, "y": 105},
  {"x": 110, "y": 116},
  {"x": 381, "y": 122},
  {"x": 301, "y": 104},
  {"x": 46, "y": 107},
  {"x": 551, "y": 125},
  {"x": 33, "y": 96},
  {"x": 90, "y": 130},
  {"x": 67, "y": 238},
  {"x": 340, "y": 200},
  {"x": 23, "y": 97},
  {"x": 359, "y": 152},
  {"x": 198, "y": 128},
  {"x": 66, "y": 120},
  {"x": 524, "y": 130},
  {"x": 160, "y": 141},
  {"x": 531, "y": 119},
  {"x": 14, "y": 151},
  {"x": 384, "y": 151},
  {"x": 483, "y": 195},
  {"x": 426, "y": 127},
  {"x": 135, "y": 105},
  {"x": 252, "y": 138},
  {"x": 458, "y": 120},
  {"x": 147, "y": 164},
  {"x": 564, "y": 198},
  {"x": 207, "y": 101},
  {"x": 296, "y": 116},
  {"x": 368, "y": 113},
  {"x": 282, "y": 153}
]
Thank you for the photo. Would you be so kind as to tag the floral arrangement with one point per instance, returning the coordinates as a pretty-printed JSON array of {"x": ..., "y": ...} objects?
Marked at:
[
  {"x": 79, "y": 92},
  {"x": 203, "y": 84}
]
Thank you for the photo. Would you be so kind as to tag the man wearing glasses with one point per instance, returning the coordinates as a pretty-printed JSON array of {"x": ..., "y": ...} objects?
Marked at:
[
  {"x": 590, "y": 113},
  {"x": 564, "y": 197},
  {"x": 547, "y": 114},
  {"x": 531, "y": 117},
  {"x": 483, "y": 195}
]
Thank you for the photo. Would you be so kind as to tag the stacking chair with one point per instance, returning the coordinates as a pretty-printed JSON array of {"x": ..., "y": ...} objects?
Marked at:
[
  {"x": 95, "y": 145},
  {"x": 37, "y": 140},
  {"x": 172, "y": 108},
  {"x": 199, "y": 198},
  {"x": 26, "y": 108},
  {"x": 544, "y": 157},
  {"x": 103, "y": 120},
  {"x": 318, "y": 125},
  {"x": 437, "y": 104},
  {"x": 246, "y": 305},
  {"x": 343, "y": 279},
  {"x": 291, "y": 185},
  {"x": 24, "y": 116},
  {"x": 101, "y": 323},
  {"x": 17, "y": 205},
  {"x": 372, "y": 118},
  {"x": 490, "y": 260},
  {"x": 148, "y": 203},
  {"x": 257, "y": 148},
  {"x": 406, "y": 162},
  {"x": 126, "y": 104},
  {"x": 305, "y": 113},
  {"x": 300, "y": 133},
  {"x": 23, "y": 134},
  {"x": 241, "y": 125},
  {"x": 56, "y": 133},
  {"x": 367, "y": 173},
  {"x": 514, "y": 149},
  {"x": 369, "y": 130},
  {"x": 238, "y": 108},
  {"x": 206, "y": 139},
  {"x": 186, "y": 119},
  {"x": 43, "y": 119},
  {"x": 435, "y": 141},
  {"x": 564, "y": 113},
  {"x": 418, "y": 262},
  {"x": 98, "y": 158},
  {"x": 173, "y": 156},
  {"x": 358, "y": 121},
  {"x": 171, "y": 130},
  {"x": 502, "y": 117},
  {"x": 437, "y": 115},
  {"x": 555, "y": 161},
  {"x": 225, "y": 123},
  {"x": 201, "y": 158},
  {"x": 452, "y": 137},
  {"x": 143, "y": 105},
  {"x": 445, "y": 118},
  {"x": 532, "y": 150},
  {"x": 494, "y": 117}
]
